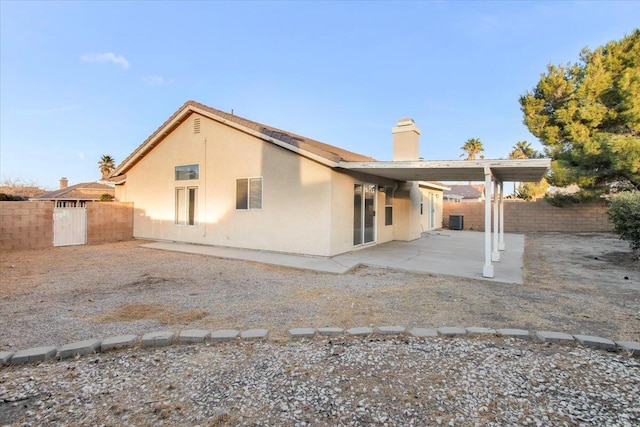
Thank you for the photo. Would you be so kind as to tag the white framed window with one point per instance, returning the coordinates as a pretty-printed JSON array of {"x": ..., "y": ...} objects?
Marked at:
[
  {"x": 249, "y": 193},
  {"x": 186, "y": 205},
  {"x": 388, "y": 205}
]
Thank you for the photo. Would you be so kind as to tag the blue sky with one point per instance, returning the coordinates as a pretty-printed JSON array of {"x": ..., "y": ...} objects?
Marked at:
[{"x": 83, "y": 79}]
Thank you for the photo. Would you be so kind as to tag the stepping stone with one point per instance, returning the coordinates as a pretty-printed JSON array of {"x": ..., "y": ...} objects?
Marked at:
[
  {"x": 254, "y": 334},
  {"x": 158, "y": 339},
  {"x": 224, "y": 335},
  {"x": 302, "y": 332},
  {"x": 193, "y": 335},
  {"x": 359, "y": 331},
  {"x": 81, "y": 348},
  {"x": 423, "y": 332},
  {"x": 390, "y": 330},
  {"x": 449, "y": 331},
  {"x": 521, "y": 334},
  {"x": 119, "y": 341},
  {"x": 480, "y": 331},
  {"x": 5, "y": 356},
  {"x": 36, "y": 354},
  {"x": 595, "y": 342},
  {"x": 630, "y": 346},
  {"x": 330, "y": 331},
  {"x": 556, "y": 337}
]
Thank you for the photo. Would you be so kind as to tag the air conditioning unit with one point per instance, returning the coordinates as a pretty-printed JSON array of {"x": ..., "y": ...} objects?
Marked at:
[{"x": 456, "y": 222}]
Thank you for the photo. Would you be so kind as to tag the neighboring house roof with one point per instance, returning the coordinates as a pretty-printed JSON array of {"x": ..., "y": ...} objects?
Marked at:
[
  {"x": 465, "y": 191},
  {"x": 294, "y": 142},
  {"x": 82, "y": 191},
  {"x": 21, "y": 191}
]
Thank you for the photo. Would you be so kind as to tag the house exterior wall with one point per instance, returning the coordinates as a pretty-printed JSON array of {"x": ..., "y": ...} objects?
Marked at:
[
  {"x": 538, "y": 216},
  {"x": 307, "y": 207},
  {"x": 297, "y": 192}
]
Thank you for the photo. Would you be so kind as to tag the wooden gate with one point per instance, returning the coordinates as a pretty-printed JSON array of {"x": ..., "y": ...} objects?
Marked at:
[{"x": 69, "y": 226}]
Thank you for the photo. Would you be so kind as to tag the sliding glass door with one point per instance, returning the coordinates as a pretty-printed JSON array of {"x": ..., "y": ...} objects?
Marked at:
[{"x": 364, "y": 224}]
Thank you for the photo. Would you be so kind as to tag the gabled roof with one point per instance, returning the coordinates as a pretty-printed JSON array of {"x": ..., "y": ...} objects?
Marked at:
[
  {"x": 300, "y": 144},
  {"x": 82, "y": 191}
]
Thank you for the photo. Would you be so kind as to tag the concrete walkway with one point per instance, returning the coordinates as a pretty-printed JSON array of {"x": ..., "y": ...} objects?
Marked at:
[{"x": 453, "y": 253}]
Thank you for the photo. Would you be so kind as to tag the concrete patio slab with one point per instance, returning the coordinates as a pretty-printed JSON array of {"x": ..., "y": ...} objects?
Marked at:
[
  {"x": 79, "y": 348},
  {"x": 36, "y": 354},
  {"x": 453, "y": 253},
  {"x": 118, "y": 342}
]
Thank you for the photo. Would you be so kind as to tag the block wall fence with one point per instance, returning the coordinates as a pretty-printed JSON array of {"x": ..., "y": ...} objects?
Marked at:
[
  {"x": 29, "y": 225},
  {"x": 538, "y": 216}
]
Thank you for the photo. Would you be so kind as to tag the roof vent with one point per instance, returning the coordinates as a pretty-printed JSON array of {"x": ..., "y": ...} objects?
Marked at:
[{"x": 196, "y": 125}]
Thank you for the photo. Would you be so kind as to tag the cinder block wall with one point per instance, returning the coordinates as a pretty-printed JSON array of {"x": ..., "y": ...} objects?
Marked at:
[
  {"x": 26, "y": 225},
  {"x": 29, "y": 225},
  {"x": 109, "y": 222},
  {"x": 523, "y": 217}
]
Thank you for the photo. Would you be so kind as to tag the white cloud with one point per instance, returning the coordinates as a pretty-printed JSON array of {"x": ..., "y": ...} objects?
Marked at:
[
  {"x": 80, "y": 155},
  {"x": 155, "y": 80},
  {"x": 105, "y": 58}
]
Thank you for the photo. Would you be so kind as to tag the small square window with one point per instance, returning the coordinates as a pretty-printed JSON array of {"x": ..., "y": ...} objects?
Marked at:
[{"x": 249, "y": 193}]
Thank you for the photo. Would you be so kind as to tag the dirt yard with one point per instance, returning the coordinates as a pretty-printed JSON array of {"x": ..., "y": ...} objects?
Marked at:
[{"x": 587, "y": 284}]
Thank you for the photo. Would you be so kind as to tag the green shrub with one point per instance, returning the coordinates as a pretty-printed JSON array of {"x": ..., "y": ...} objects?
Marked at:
[
  {"x": 624, "y": 212},
  {"x": 106, "y": 197}
]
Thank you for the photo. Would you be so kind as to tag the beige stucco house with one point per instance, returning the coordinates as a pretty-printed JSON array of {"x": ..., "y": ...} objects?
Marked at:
[{"x": 210, "y": 177}]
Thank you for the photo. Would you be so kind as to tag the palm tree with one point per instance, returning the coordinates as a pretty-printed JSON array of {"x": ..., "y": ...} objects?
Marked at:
[
  {"x": 472, "y": 148},
  {"x": 107, "y": 165},
  {"x": 522, "y": 150}
]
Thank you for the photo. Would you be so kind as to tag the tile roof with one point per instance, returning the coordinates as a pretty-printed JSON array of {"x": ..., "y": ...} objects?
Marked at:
[
  {"x": 329, "y": 152},
  {"x": 82, "y": 191}
]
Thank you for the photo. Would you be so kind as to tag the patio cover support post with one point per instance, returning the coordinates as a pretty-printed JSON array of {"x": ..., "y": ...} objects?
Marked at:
[
  {"x": 501, "y": 244},
  {"x": 495, "y": 255},
  {"x": 487, "y": 270}
]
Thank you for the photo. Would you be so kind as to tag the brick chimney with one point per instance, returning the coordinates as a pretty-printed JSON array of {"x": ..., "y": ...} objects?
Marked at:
[
  {"x": 64, "y": 183},
  {"x": 406, "y": 140}
]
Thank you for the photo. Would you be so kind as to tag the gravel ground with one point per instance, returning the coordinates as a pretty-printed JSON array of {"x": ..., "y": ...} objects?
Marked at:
[
  {"x": 321, "y": 382},
  {"x": 587, "y": 284}
]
